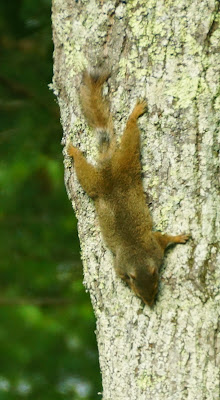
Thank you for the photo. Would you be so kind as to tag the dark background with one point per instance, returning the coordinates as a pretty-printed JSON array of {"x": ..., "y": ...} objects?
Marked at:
[{"x": 47, "y": 341}]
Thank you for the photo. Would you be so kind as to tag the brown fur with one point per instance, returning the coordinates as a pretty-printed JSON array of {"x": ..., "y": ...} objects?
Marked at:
[{"x": 115, "y": 185}]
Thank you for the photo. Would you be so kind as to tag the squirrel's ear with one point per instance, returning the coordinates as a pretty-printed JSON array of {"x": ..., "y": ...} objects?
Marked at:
[
  {"x": 132, "y": 276},
  {"x": 152, "y": 269}
]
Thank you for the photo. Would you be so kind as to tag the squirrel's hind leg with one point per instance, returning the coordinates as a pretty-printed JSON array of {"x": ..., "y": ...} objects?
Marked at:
[
  {"x": 87, "y": 174},
  {"x": 128, "y": 153}
]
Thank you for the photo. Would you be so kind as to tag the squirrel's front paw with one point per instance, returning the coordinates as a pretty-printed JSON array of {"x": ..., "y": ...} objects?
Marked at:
[{"x": 183, "y": 238}]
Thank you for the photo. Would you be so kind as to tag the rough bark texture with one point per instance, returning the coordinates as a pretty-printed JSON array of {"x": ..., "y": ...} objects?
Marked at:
[{"x": 168, "y": 52}]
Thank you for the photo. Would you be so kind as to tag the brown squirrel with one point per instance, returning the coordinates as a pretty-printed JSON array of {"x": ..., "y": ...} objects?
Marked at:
[{"x": 116, "y": 187}]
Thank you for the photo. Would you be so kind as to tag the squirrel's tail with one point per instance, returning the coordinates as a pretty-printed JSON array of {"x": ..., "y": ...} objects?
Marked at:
[{"x": 95, "y": 107}]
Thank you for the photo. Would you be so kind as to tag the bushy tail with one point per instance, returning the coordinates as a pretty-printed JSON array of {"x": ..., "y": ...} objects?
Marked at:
[{"x": 95, "y": 107}]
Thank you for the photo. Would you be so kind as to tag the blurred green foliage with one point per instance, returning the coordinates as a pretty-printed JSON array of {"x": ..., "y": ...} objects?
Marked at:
[{"x": 47, "y": 342}]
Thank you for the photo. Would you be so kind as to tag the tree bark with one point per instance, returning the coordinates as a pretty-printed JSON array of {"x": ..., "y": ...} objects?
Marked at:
[{"x": 168, "y": 53}]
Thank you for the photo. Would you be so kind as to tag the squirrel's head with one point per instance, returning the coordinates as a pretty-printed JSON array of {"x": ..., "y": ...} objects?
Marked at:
[
  {"x": 140, "y": 272},
  {"x": 143, "y": 280}
]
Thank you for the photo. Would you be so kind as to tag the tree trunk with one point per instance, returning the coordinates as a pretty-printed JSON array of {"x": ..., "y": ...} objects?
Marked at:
[{"x": 168, "y": 53}]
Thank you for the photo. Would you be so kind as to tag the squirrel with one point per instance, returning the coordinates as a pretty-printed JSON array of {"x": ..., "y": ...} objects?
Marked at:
[{"x": 116, "y": 187}]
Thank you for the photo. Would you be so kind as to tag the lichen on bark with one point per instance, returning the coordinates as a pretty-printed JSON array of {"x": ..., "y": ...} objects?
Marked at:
[{"x": 167, "y": 52}]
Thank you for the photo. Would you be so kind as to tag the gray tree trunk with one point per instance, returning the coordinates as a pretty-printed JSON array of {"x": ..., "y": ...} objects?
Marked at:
[{"x": 168, "y": 53}]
